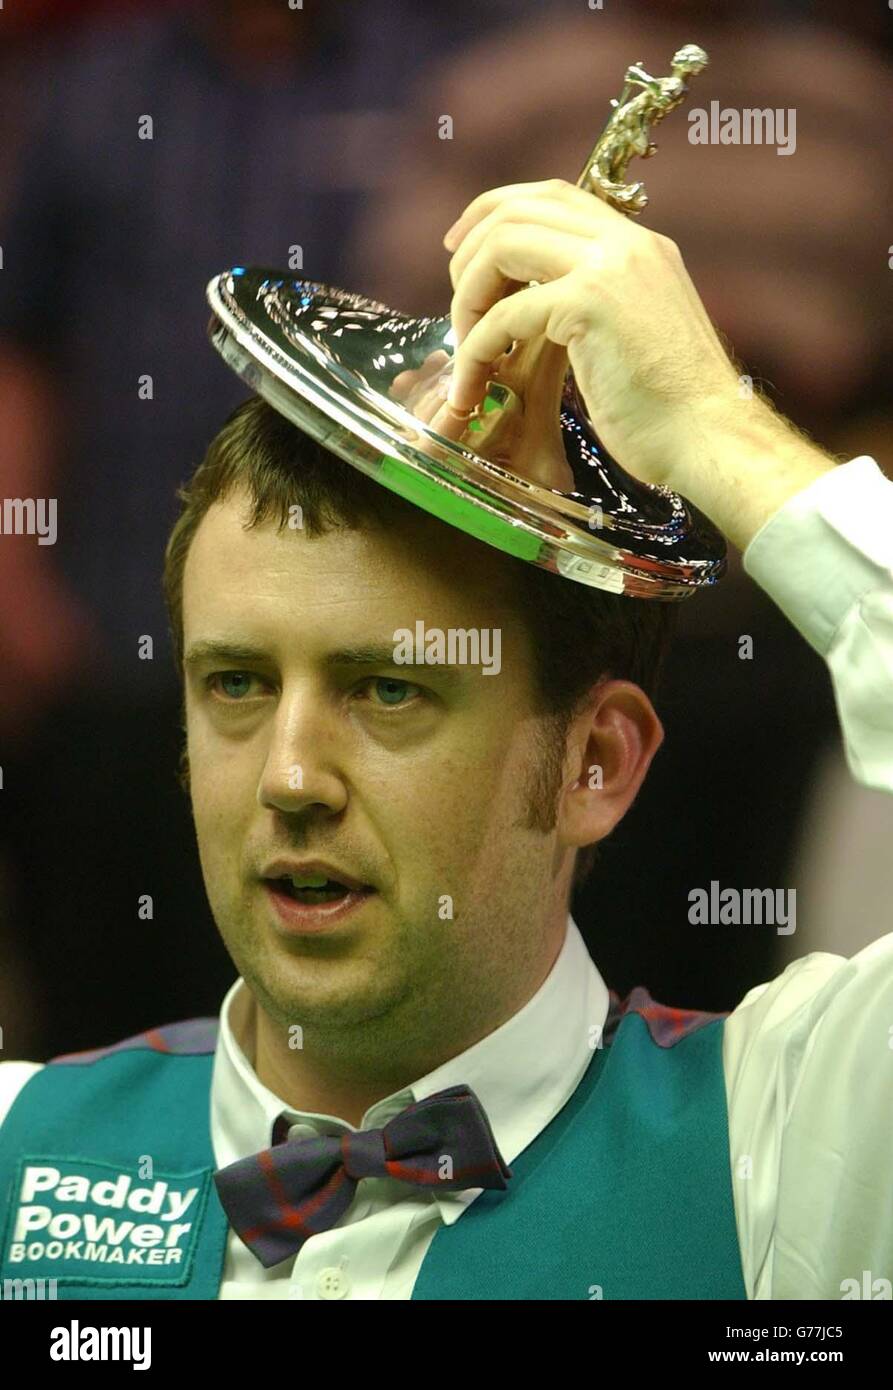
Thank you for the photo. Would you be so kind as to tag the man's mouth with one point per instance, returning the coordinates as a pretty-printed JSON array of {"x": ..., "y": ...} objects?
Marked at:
[{"x": 312, "y": 889}]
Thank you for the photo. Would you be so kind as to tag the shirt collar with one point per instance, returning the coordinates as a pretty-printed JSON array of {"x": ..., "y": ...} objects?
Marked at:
[{"x": 523, "y": 1072}]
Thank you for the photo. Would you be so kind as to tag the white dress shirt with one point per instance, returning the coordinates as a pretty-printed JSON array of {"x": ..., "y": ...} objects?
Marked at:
[{"x": 807, "y": 1057}]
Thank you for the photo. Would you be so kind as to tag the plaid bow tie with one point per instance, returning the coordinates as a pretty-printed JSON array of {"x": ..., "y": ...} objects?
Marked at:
[{"x": 277, "y": 1199}]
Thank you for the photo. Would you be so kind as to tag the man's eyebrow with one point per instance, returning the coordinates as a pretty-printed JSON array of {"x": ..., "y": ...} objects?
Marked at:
[
  {"x": 379, "y": 654},
  {"x": 384, "y": 655},
  {"x": 223, "y": 651}
]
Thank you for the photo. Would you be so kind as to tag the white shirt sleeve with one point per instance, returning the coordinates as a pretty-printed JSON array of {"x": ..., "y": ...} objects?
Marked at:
[
  {"x": 808, "y": 1057},
  {"x": 826, "y": 559},
  {"x": 13, "y": 1076}
]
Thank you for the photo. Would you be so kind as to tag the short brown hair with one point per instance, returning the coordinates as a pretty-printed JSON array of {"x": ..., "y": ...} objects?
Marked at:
[{"x": 579, "y": 635}]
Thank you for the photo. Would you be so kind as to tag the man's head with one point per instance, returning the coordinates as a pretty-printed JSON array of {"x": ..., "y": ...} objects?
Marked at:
[{"x": 461, "y": 797}]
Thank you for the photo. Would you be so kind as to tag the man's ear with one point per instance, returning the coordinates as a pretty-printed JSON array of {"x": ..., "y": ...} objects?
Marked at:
[{"x": 610, "y": 746}]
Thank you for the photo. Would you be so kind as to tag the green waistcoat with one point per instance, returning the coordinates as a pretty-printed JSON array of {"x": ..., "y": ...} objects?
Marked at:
[{"x": 106, "y": 1168}]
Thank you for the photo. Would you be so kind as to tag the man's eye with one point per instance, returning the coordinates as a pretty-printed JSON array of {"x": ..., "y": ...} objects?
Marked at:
[
  {"x": 234, "y": 685},
  {"x": 392, "y": 692}
]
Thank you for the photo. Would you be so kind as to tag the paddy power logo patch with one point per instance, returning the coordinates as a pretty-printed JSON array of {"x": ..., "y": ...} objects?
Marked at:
[{"x": 80, "y": 1220}]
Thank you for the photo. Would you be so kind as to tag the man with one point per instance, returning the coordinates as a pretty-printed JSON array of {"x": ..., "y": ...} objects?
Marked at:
[{"x": 420, "y": 1086}]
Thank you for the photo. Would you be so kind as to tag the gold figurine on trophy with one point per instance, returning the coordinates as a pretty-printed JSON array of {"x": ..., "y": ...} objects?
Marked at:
[{"x": 628, "y": 132}]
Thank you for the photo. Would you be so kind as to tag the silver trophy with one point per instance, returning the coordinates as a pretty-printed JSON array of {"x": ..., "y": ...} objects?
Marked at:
[{"x": 366, "y": 382}]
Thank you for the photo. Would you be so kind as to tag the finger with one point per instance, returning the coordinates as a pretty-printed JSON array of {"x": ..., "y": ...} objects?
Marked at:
[
  {"x": 451, "y": 423},
  {"x": 562, "y": 215},
  {"x": 522, "y": 315},
  {"x": 401, "y": 386},
  {"x": 423, "y": 404},
  {"x": 484, "y": 203},
  {"x": 512, "y": 251},
  {"x": 432, "y": 391},
  {"x": 405, "y": 382}
]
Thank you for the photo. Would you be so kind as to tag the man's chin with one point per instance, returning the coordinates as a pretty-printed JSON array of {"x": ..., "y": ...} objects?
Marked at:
[{"x": 324, "y": 994}]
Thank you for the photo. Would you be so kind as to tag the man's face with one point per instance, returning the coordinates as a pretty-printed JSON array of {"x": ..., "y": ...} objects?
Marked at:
[{"x": 414, "y": 780}]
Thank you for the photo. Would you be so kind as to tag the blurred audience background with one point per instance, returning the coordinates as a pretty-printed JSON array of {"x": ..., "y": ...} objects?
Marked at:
[{"x": 275, "y": 128}]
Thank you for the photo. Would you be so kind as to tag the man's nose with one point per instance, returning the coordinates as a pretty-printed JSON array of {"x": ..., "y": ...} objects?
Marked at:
[{"x": 302, "y": 767}]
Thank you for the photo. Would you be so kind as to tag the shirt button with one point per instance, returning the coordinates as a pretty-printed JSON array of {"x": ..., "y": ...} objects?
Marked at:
[
  {"x": 332, "y": 1283},
  {"x": 302, "y": 1131}
]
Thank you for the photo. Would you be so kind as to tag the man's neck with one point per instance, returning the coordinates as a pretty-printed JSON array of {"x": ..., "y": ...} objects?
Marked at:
[
  {"x": 285, "y": 1070},
  {"x": 345, "y": 1078}
]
